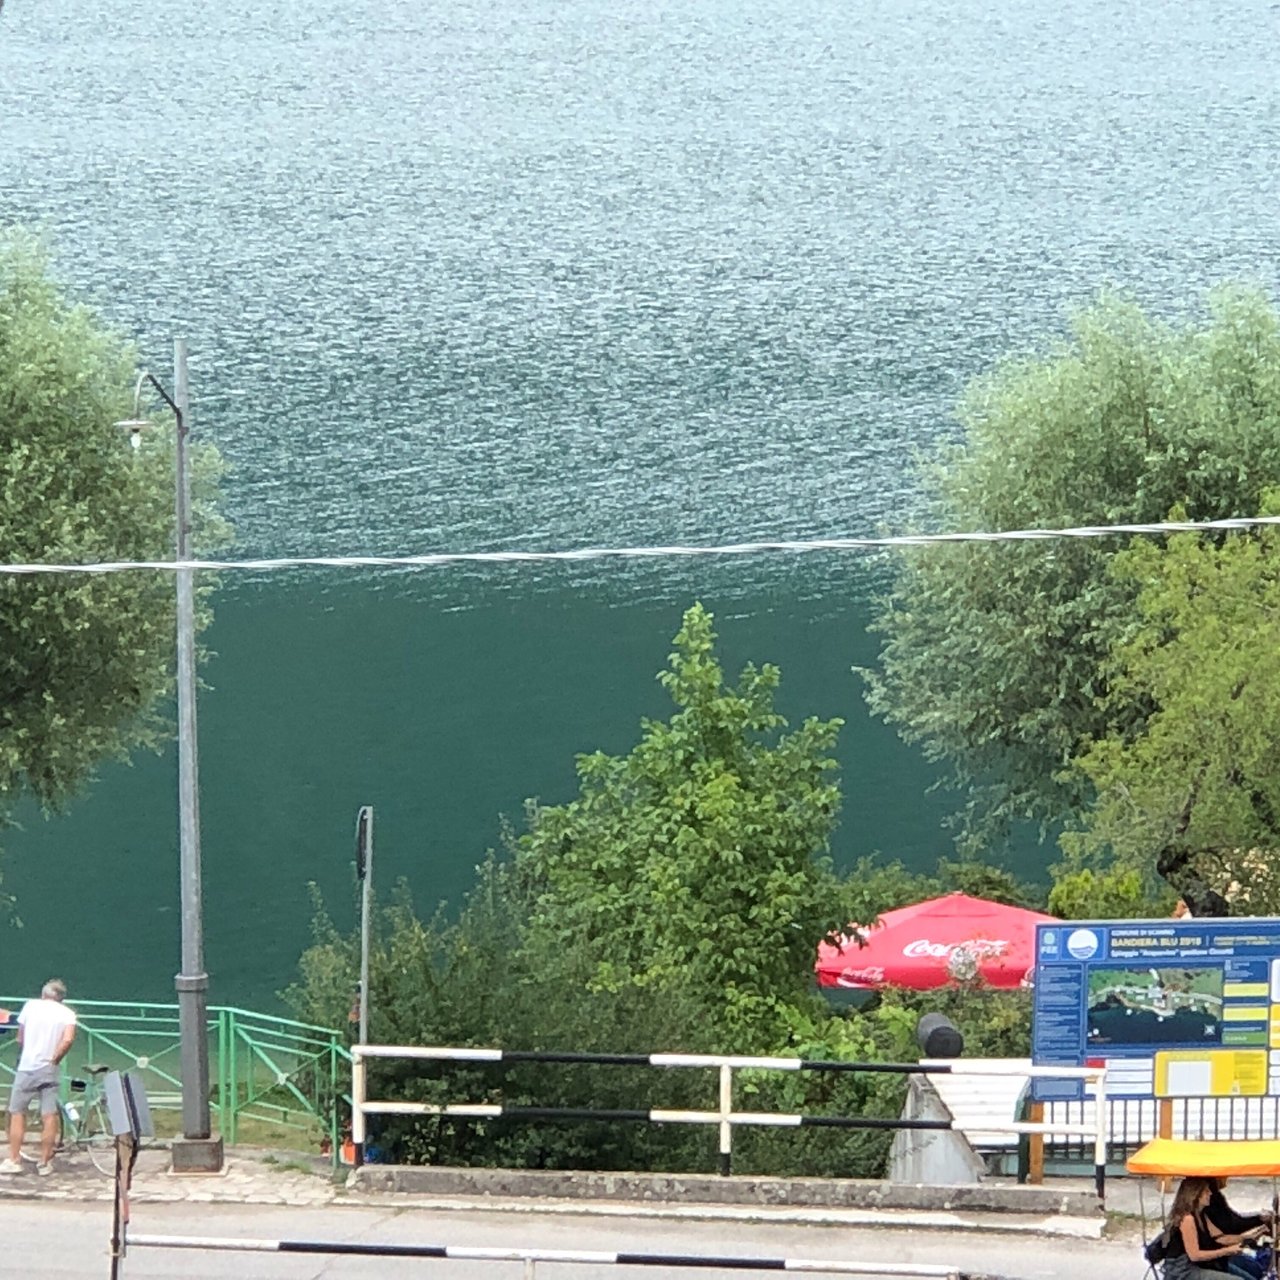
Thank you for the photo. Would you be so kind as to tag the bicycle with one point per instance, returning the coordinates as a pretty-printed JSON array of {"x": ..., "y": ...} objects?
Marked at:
[{"x": 85, "y": 1126}]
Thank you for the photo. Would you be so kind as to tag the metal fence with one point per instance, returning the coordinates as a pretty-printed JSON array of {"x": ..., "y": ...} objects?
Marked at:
[
  {"x": 1135, "y": 1121},
  {"x": 273, "y": 1074}
]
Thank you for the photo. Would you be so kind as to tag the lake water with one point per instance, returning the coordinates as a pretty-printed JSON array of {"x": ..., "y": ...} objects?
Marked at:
[{"x": 476, "y": 275}]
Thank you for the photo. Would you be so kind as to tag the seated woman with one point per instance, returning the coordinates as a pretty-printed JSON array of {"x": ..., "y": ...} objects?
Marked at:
[
  {"x": 1191, "y": 1254},
  {"x": 1224, "y": 1226}
]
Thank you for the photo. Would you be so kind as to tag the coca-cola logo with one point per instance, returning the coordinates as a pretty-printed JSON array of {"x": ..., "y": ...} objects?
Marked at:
[
  {"x": 982, "y": 948},
  {"x": 857, "y": 977}
]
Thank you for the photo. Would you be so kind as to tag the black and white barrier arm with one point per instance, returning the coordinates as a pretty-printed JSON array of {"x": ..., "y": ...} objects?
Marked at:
[
  {"x": 468, "y": 1253},
  {"x": 725, "y": 1117}
]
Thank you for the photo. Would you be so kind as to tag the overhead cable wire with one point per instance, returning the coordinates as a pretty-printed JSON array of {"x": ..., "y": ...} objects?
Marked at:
[{"x": 446, "y": 559}]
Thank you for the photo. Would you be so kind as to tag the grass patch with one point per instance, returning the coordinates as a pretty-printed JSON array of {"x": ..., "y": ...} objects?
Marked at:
[{"x": 287, "y": 1164}]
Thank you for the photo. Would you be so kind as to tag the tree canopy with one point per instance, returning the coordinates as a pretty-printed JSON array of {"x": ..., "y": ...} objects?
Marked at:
[
  {"x": 85, "y": 659},
  {"x": 1195, "y": 794},
  {"x": 995, "y": 657},
  {"x": 699, "y": 857}
]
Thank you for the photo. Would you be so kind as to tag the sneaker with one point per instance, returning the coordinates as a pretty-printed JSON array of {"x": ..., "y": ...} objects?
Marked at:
[
  {"x": 44, "y": 1170},
  {"x": 10, "y": 1166}
]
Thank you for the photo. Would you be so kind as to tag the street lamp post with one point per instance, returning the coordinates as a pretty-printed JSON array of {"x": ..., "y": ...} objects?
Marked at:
[{"x": 196, "y": 1151}]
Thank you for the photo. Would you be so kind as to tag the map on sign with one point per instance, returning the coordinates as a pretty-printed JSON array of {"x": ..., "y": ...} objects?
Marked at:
[
  {"x": 1186, "y": 1008},
  {"x": 1154, "y": 1006}
]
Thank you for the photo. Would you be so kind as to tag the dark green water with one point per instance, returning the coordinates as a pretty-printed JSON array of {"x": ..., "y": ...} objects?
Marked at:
[
  {"x": 325, "y": 699},
  {"x": 471, "y": 275}
]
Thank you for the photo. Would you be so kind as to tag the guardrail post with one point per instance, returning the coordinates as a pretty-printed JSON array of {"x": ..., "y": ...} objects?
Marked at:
[
  {"x": 357, "y": 1103},
  {"x": 726, "y": 1123},
  {"x": 529, "y": 1265},
  {"x": 1035, "y": 1161},
  {"x": 233, "y": 1038},
  {"x": 226, "y": 1103},
  {"x": 1100, "y": 1143},
  {"x": 1164, "y": 1129},
  {"x": 335, "y": 1128}
]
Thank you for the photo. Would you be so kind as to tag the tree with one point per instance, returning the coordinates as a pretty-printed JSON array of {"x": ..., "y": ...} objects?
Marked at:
[
  {"x": 1107, "y": 892},
  {"x": 698, "y": 860},
  {"x": 1195, "y": 794},
  {"x": 994, "y": 656},
  {"x": 84, "y": 658}
]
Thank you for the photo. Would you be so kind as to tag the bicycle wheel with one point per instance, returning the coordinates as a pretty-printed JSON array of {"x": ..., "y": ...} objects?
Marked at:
[{"x": 96, "y": 1136}]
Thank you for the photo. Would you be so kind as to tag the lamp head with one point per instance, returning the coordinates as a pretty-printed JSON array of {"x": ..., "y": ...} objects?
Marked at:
[{"x": 135, "y": 427}]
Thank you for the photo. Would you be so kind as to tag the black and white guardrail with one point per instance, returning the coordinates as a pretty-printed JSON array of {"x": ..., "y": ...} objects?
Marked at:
[
  {"x": 724, "y": 1116},
  {"x": 469, "y": 1253}
]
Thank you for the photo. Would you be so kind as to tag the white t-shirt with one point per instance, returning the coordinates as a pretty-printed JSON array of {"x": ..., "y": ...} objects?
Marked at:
[{"x": 42, "y": 1022}]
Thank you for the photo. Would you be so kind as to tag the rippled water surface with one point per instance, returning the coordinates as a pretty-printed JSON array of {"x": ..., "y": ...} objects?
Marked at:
[{"x": 471, "y": 275}]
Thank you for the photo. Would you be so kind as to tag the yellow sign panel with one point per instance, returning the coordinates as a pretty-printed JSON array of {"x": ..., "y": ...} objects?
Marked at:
[
  {"x": 1245, "y": 990},
  {"x": 1244, "y": 1013},
  {"x": 1211, "y": 1073}
]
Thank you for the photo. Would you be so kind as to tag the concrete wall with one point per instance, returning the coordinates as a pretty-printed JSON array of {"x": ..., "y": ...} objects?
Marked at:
[
  {"x": 937, "y": 1157},
  {"x": 693, "y": 1189}
]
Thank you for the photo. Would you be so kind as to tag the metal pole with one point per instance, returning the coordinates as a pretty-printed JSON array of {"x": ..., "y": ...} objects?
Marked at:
[
  {"x": 117, "y": 1213},
  {"x": 366, "y": 891},
  {"x": 1102, "y": 1115},
  {"x": 192, "y": 982}
]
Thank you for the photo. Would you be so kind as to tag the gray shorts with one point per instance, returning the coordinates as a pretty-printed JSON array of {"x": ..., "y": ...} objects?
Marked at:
[{"x": 41, "y": 1083}]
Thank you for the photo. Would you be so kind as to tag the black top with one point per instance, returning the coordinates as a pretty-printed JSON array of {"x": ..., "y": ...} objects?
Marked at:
[
  {"x": 1177, "y": 1248},
  {"x": 1174, "y": 1246}
]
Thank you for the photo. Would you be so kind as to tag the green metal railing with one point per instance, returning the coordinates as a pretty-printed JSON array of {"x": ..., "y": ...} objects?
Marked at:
[{"x": 272, "y": 1074}]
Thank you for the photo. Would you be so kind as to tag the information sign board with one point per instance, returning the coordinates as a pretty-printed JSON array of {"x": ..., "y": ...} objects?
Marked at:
[{"x": 1172, "y": 1008}]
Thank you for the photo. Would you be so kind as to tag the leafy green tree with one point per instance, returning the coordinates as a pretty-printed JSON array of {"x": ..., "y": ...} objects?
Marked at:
[
  {"x": 475, "y": 981},
  {"x": 698, "y": 858},
  {"x": 1108, "y": 892},
  {"x": 84, "y": 658},
  {"x": 1195, "y": 795},
  {"x": 994, "y": 656}
]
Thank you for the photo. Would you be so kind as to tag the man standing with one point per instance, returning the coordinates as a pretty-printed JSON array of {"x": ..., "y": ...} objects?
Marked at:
[{"x": 46, "y": 1028}]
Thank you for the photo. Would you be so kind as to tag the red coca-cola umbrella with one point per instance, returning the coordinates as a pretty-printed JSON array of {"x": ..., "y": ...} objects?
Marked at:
[{"x": 930, "y": 944}]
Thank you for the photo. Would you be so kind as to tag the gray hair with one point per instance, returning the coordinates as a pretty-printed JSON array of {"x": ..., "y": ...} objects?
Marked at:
[{"x": 54, "y": 989}]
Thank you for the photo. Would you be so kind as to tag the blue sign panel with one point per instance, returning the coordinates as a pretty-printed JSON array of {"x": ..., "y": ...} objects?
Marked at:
[{"x": 1170, "y": 1007}]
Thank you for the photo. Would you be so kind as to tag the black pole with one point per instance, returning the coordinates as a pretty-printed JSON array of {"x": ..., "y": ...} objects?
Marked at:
[{"x": 117, "y": 1244}]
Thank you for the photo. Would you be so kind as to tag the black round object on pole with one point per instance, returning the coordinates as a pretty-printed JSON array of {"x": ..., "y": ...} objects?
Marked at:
[{"x": 939, "y": 1037}]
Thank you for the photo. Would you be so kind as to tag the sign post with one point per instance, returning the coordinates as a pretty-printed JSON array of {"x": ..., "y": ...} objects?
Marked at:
[{"x": 129, "y": 1118}]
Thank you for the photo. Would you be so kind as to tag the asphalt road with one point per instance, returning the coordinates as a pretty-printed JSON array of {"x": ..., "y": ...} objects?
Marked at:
[{"x": 46, "y": 1239}]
